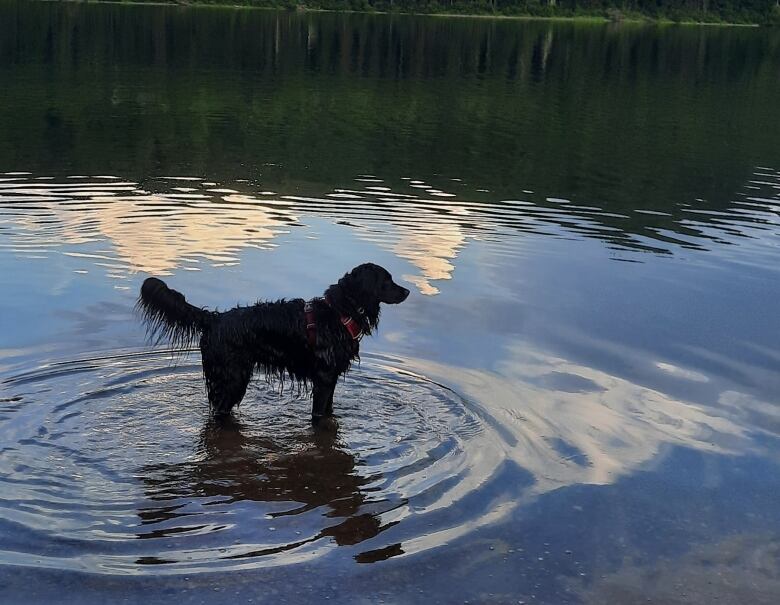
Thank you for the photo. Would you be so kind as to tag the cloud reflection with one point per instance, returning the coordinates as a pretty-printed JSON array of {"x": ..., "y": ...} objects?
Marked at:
[
  {"x": 174, "y": 223},
  {"x": 151, "y": 232},
  {"x": 567, "y": 423},
  {"x": 182, "y": 227}
]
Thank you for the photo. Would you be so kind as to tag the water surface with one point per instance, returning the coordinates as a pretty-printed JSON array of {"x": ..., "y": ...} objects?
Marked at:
[{"x": 577, "y": 404}]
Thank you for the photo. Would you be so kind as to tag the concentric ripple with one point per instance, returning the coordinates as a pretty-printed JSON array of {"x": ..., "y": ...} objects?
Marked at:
[{"x": 113, "y": 465}]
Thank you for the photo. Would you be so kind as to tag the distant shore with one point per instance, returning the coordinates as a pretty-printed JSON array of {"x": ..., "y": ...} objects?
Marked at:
[{"x": 551, "y": 14}]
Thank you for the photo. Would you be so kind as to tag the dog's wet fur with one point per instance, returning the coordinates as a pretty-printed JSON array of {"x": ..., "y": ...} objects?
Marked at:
[{"x": 272, "y": 336}]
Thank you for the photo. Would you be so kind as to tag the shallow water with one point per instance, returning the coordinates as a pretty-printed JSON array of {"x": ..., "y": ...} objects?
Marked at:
[{"x": 578, "y": 402}]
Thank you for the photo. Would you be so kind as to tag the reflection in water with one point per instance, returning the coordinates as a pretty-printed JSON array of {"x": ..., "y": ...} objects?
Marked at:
[
  {"x": 497, "y": 165},
  {"x": 569, "y": 424},
  {"x": 235, "y": 464},
  {"x": 176, "y": 492},
  {"x": 618, "y": 118},
  {"x": 152, "y": 232},
  {"x": 159, "y": 226},
  {"x": 261, "y": 490},
  {"x": 432, "y": 254}
]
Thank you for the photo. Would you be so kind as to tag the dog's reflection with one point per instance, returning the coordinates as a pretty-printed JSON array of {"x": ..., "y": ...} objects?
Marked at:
[{"x": 308, "y": 470}]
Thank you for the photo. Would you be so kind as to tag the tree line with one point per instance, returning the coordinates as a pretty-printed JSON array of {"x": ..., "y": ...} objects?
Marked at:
[{"x": 764, "y": 12}]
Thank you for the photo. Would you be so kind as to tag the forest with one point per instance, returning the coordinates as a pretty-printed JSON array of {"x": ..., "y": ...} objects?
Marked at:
[{"x": 762, "y": 12}]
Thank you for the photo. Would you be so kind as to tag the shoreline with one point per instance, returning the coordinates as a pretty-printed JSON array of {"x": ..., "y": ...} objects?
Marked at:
[{"x": 633, "y": 19}]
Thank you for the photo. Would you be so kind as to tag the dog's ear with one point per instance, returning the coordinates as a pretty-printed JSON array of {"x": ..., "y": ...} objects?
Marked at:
[
  {"x": 335, "y": 295},
  {"x": 347, "y": 293},
  {"x": 357, "y": 295}
]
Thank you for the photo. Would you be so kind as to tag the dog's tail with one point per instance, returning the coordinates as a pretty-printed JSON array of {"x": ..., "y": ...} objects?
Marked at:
[{"x": 168, "y": 316}]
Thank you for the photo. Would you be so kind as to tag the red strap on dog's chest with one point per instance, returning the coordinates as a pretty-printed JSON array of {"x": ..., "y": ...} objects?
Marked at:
[
  {"x": 311, "y": 324},
  {"x": 352, "y": 327}
]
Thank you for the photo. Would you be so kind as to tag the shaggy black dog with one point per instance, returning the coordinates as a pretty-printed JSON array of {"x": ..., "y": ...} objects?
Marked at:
[{"x": 311, "y": 343}]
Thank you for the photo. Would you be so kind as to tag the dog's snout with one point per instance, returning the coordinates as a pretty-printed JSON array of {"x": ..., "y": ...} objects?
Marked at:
[
  {"x": 394, "y": 294},
  {"x": 400, "y": 294}
]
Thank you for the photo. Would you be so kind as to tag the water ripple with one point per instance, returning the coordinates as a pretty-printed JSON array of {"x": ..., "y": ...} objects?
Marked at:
[
  {"x": 427, "y": 226},
  {"x": 115, "y": 466}
]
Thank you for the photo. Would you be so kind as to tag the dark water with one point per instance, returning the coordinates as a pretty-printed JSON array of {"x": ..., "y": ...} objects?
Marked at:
[{"x": 577, "y": 404}]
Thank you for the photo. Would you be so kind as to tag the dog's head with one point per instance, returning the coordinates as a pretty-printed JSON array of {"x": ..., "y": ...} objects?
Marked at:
[
  {"x": 375, "y": 283},
  {"x": 359, "y": 293}
]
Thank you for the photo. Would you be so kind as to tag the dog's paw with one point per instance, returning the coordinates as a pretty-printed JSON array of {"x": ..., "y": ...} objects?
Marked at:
[{"x": 325, "y": 423}]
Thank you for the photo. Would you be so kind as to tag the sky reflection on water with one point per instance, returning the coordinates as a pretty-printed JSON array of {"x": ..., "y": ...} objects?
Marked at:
[{"x": 577, "y": 404}]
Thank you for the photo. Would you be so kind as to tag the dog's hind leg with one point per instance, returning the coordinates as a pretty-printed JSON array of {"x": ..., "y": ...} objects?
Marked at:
[
  {"x": 329, "y": 405},
  {"x": 226, "y": 381},
  {"x": 322, "y": 397}
]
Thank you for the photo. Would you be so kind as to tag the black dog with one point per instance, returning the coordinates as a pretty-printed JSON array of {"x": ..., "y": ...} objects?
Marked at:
[{"x": 311, "y": 343}]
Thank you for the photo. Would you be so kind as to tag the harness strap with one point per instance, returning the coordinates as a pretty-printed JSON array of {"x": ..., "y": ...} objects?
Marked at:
[
  {"x": 311, "y": 324},
  {"x": 352, "y": 327}
]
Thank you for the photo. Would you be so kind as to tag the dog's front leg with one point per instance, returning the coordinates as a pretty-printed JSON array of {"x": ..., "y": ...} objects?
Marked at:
[
  {"x": 322, "y": 400},
  {"x": 329, "y": 407}
]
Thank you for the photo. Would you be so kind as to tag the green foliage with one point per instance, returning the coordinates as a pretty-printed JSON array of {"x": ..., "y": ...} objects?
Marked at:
[
  {"x": 515, "y": 104},
  {"x": 765, "y": 12},
  {"x": 774, "y": 16}
]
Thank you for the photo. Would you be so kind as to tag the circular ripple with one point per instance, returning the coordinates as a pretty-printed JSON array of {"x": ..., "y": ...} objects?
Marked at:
[{"x": 114, "y": 465}]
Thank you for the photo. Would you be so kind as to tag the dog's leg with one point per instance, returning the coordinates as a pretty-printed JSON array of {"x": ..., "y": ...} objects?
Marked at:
[
  {"x": 226, "y": 382},
  {"x": 329, "y": 406},
  {"x": 322, "y": 400}
]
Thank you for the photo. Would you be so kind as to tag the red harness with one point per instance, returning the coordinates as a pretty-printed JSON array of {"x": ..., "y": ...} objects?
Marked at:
[{"x": 311, "y": 325}]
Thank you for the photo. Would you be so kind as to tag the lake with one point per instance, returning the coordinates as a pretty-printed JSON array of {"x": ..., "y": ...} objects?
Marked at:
[{"x": 578, "y": 403}]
